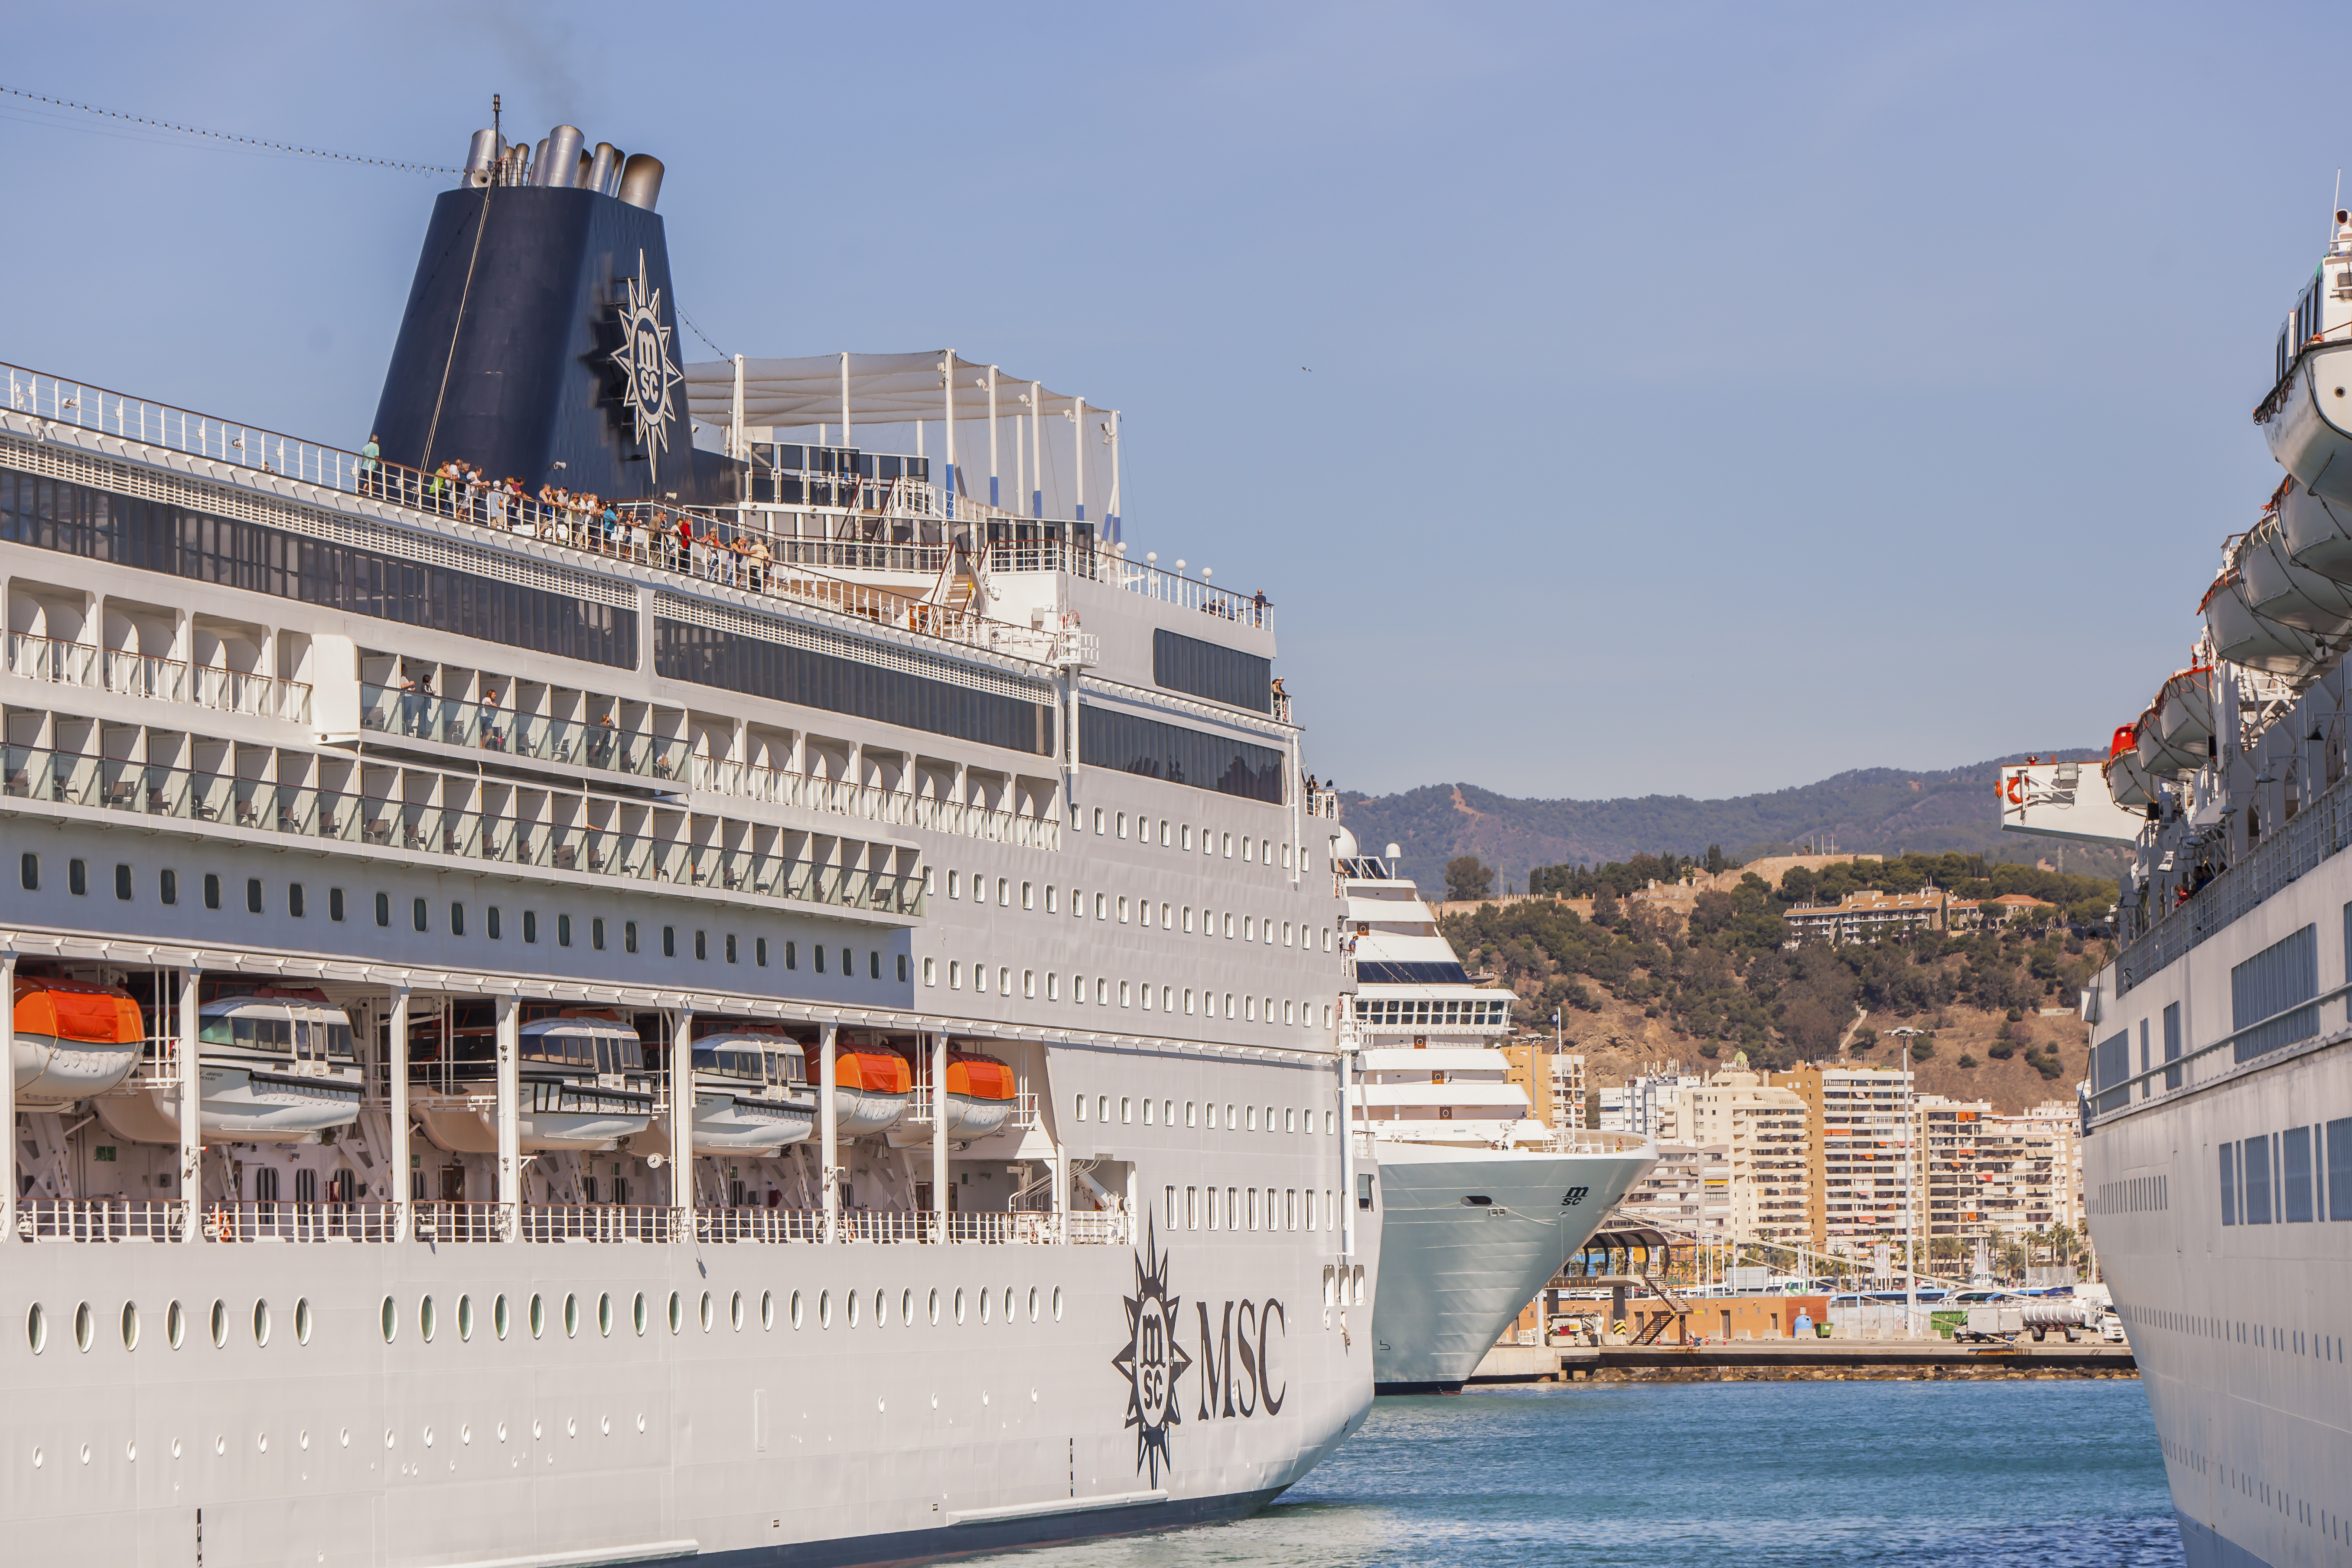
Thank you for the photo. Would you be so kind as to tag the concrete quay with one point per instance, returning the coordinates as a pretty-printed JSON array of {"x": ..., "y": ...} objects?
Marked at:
[{"x": 1751, "y": 1360}]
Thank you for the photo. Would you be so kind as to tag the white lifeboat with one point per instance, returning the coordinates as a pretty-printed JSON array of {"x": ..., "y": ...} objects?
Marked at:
[
  {"x": 2158, "y": 757},
  {"x": 2242, "y": 636},
  {"x": 2128, "y": 781},
  {"x": 2184, "y": 710},
  {"x": 2279, "y": 590},
  {"x": 274, "y": 1066},
  {"x": 585, "y": 1085},
  {"x": 750, "y": 1094},
  {"x": 2318, "y": 531},
  {"x": 2307, "y": 417},
  {"x": 73, "y": 1040}
]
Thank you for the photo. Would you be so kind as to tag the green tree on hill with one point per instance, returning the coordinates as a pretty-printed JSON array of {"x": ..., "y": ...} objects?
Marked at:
[{"x": 1469, "y": 879}]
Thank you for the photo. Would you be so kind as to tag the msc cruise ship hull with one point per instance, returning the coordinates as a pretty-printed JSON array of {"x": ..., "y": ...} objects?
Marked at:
[{"x": 1455, "y": 1271}]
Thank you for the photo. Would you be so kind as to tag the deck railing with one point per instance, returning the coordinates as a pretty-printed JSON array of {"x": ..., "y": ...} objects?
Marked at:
[
  {"x": 274, "y": 1221},
  {"x": 186, "y": 793},
  {"x": 100, "y": 1219},
  {"x": 159, "y": 679}
]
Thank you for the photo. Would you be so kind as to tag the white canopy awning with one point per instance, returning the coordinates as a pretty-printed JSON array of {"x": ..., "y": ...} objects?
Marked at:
[{"x": 852, "y": 389}]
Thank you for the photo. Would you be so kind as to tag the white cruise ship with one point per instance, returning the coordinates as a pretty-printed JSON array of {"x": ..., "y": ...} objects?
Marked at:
[
  {"x": 2216, "y": 1158},
  {"x": 1484, "y": 1203},
  {"x": 722, "y": 1006}
]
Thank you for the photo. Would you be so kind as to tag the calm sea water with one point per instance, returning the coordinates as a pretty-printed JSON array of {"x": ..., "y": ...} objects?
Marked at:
[{"x": 1990, "y": 1475}]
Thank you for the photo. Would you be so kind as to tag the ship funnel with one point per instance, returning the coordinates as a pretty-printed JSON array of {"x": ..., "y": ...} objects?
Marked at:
[
  {"x": 602, "y": 167},
  {"x": 563, "y": 157},
  {"x": 480, "y": 156},
  {"x": 641, "y": 179}
]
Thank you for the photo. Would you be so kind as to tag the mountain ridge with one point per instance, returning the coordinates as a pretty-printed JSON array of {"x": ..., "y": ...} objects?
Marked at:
[{"x": 1861, "y": 810}]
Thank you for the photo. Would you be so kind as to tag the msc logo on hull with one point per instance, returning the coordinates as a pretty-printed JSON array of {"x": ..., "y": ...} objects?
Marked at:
[{"x": 1236, "y": 1359}]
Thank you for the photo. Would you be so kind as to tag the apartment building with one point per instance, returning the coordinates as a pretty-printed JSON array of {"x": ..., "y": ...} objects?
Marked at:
[
  {"x": 2029, "y": 1170},
  {"x": 1686, "y": 1193},
  {"x": 1863, "y": 1187},
  {"x": 1567, "y": 1086},
  {"x": 1763, "y": 1130}
]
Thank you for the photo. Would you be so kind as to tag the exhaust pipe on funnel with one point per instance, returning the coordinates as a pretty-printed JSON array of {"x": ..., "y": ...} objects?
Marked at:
[
  {"x": 537, "y": 174},
  {"x": 563, "y": 157},
  {"x": 480, "y": 156},
  {"x": 602, "y": 167},
  {"x": 641, "y": 179}
]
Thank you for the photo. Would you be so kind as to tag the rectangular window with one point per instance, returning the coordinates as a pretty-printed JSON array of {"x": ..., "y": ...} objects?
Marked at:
[
  {"x": 1028, "y": 895},
  {"x": 1253, "y": 1208},
  {"x": 28, "y": 872},
  {"x": 730, "y": 947},
  {"x": 122, "y": 884},
  {"x": 1169, "y": 1219},
  {"x": 2339, "y": 1170},
  {"x": 902, "y": 969},
  {"x": 955, "y": 970},
  {"x": 1122, "y": 824},
  {"x": 2173, "y": 1043},
  {"x": 1126, "y": 1111},
  {"x": 1122, "y": 993},
  {"x": 2264, "y": 990},
  {"x": 252, "y": 894},
  {"x": 530, "y": 925},
  {"x": 1191, "y": 1208},
  {"x": 955, "y": 881},
  {"x": 791, "y": 955},
  {"x": 759, "y": 953},
  {"x": 456, "y": 919},
  {"x": 562, "y": 931},
  {"x": 2294, "y": 1175},
  {"x": 1133, "y": 744},
  {"x": 873, "y": 963},
  {"x": 490, "y": 926},
  {"x": 1102, "y": 991},
  {"x": 669, "y": 943},
  {"x": 1081, "y": 1107},
  {"x": 2110, "y": 1066},
  {"x": 1053, "y": 986},
  {"x": 154, "y": 536},
  {"x": 629, "y": 937},
  {"x": 931, "y": 970},
  {"x": 2255, "y": 1179},
  {"x": 167, "y": 888},
  {"x": 734, "y": 661},
  {"x": 1225, "y": 675},
  {"x": 1102, "y": 906},
  {"x": 1049, "y": 899},
  {"x": 1029, "y": 982},
  {"x": 1122, "y": 907},
  {"x": 849, "y": 961},
  {"x": 701, "y": 947},
  {"x": 596, "y": 933}
]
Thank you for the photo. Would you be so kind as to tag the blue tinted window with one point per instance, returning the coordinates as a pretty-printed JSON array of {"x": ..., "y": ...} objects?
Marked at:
[
  {"x": 2294, "y": 1175},
  {"x": 1132, "y": 744},
  {"x": 2267, "y": 986},
  {"x": 1206, "y": 670},
  {"x": 2339, "y": 1169},
  {"x": 2229, "y": 1184},
  {"x": 2255, "y": 1167}
]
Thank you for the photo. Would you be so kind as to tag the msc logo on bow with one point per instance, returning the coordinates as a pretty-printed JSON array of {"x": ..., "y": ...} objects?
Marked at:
[
  {"x": 1573, "y": 1196},
  {"x": 645, "y": 367},
  {"x": 1152, "y": 1360}
]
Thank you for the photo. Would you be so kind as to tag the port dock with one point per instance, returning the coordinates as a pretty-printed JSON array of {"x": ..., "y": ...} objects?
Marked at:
[{"x": 1747, "y": 1359}]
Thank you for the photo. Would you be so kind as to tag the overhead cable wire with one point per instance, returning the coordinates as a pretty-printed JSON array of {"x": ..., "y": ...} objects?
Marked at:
[{"x": 225, "y": 137}]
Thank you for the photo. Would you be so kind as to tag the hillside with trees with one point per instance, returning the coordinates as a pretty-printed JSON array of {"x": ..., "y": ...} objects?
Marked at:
[
  {"x": 1646, "y": 983},
  {"x": 1884, "y": 811}
]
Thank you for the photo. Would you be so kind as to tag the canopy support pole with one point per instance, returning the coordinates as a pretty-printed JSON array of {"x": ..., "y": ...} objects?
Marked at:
[
  {"x": 1078, "y": 416},
  {"x": 845, "y": 401},
  {"x": 828, "y": 1131},
  {"x": 1110, "y": 513},
  {"x": 947, "y": 390},
  {"x": 995, "y": 501},
  {"x": 681, "y": 1121},
  {"x": 939, "y": 1175},
  {"x": 8, "y": 1156},
  {"x": 1037, "y": 447},
  {"x": 191, "y": 1088}
]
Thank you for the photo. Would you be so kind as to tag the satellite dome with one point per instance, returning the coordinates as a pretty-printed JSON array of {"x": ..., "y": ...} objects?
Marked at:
[
  {"x": 1395, "y": 851},
  {"x": 1343, "y": 845}
]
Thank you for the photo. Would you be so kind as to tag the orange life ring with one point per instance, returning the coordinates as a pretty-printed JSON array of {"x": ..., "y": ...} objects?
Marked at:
[
  {"x": 220, "y": 1225},
  {"x": 2016, "y": 792}
]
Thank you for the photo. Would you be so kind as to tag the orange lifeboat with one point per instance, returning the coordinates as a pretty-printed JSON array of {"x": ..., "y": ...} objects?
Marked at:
[
  {"x": 73, "y": 1040},
  {"x": 872, "y": 1085},
  {"x": 981, "y": 1094}
]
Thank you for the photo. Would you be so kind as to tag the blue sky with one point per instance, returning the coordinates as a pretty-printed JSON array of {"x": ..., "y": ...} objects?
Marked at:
[{"x": 1612, "y": 400}]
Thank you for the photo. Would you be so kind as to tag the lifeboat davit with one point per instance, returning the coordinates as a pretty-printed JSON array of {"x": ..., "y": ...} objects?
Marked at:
[
  {"x": 2280, "y": 590},
  {"x": 2318, "y": 531},
  {"x": 872, "y": 1085},
  {"x": 750, "y": 1093},
  {"x": 72, "y": 1041},
  {"x": 274, "y": 1065}
]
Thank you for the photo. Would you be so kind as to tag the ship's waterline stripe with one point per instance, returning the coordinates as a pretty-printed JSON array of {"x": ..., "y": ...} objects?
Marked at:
[
  {"x": 1094, "y": 1504},
  {"x": 597, "y": 1557}
]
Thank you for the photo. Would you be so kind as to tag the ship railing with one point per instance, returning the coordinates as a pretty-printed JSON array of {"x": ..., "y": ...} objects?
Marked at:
[
  {"x": 100, "y": 1219},
  {"x": 157, "y": 790},
  {"x": 2108, "y": 1092},
  {"x": 440, "y": 1219},
  {"x": 126, "y": 674},
  {"x": 759, "y": 1225},
  {"x": 1082, "y": 1228},
  {"x": 1023, "y": 1117},
  {"x": 57, "y": 401},
  {"x": 1322, "y": 803},
  {"x": 269, "y": 1220},
  {"x": 882, "y": 1225},
  {"x": 598, "y": 1222}
]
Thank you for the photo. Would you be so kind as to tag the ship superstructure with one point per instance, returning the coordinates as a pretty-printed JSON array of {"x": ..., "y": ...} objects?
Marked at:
[
  {"x": 584, "y": 998},
  {"x": 2216, "y": 1162},
  {"x": 1485, "y": 1203}
]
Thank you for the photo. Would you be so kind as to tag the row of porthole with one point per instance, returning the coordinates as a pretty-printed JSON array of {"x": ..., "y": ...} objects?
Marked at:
[
  {"x": 176, "y": 1325},
  {"x": 390, "y": 1439},
  {"x": 428, "y": 1315}
]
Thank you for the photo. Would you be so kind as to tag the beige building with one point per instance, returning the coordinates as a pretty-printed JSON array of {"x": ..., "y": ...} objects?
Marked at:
[
  {"x": 1859, "y": 1156},
  {"x": 1687, "y": 1193},
  {"x": 2030, "y": 1170},
  {"x": 1946, "y": 1143},
  {"x": 1763, "y": 1132},
  {"x": 1867, "y": 916}
]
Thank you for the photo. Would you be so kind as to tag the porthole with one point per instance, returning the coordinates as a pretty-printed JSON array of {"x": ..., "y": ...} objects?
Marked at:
[
  {"x": 571, "y": 1316},
  {"x": 1057, "y": 1303},
  {"x": 825, "y": 1310},
  {"x": 538, "y": 1316},
  {"x": 1033, "y": 1303},
  {"x": 796, "y": 1308},
  {"x": 935, "y": 1307},
  {"x": 983, "y": 1306},
  {"x": 220, "y": 1323},
  {"x": 428, "y": 1436},
  {"x": 852, "y": 1309},
  {"x": 390, "y": 1320},
  {"x": 302, "y": 1321},
  {"x": 427, "y": 1319},
  {"x": 703, "y": 1311},
  {"x": 130, "y": 1325},
  {"x": 499, "y": 1316},
  {"x": 881, "y": 1308},
  {"x": 637, "y": 1312},
  {"x": 465, "y": 1318},
  {"x": 959, "y": 1304},
  {"x": 85, "y": 1326},
  {"x": 604, "y": 1313},
  {"x": 176, "y": 1325},
  {"x": 37, "y": 1328},
  {"x": 677, "y": 1312},
  {"x": 261, "y": 1322},
  {"x": 1008, "y": 1304},
  {"x": 735, "y": 1311},
  {"x": 767, "y": 1309},
  {"x": 907, "y": 1308}
]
